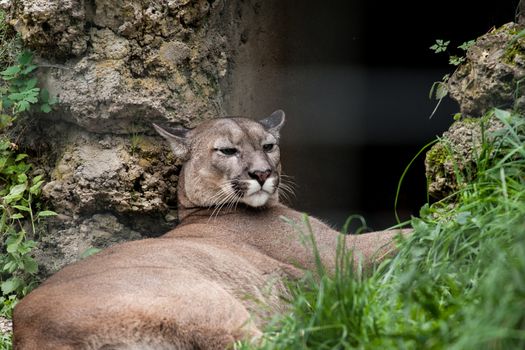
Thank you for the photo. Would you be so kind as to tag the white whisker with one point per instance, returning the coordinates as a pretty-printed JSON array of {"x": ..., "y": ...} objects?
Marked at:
[
  {"x": 286, "y": 188},
  {"x": 226, "y": 198},
  {"x": 220, "y": 205}
]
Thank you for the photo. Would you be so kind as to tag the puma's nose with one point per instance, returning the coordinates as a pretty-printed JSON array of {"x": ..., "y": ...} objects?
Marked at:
[{"x": 260, "y": 176}]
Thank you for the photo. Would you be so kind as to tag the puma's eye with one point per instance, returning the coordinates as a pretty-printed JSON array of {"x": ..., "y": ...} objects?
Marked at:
[
  {"x": 228, "y": 151},
  {"x": 268, "y": 147}
]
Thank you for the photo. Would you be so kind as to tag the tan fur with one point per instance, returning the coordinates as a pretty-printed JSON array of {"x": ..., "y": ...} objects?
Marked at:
[{"x": 215, "y": 279}]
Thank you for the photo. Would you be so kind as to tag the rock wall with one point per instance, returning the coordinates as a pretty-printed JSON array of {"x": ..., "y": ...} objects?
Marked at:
[
  {"x": 493, "y": 76},
  {"x": 117, "y": 66},
  {"x": 110, "y": 62}
]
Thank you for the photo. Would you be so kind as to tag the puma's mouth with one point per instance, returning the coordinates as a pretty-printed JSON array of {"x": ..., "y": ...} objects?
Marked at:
[
  {"x": 256, "y": 195},
  {"x": 257, "y": 199}
]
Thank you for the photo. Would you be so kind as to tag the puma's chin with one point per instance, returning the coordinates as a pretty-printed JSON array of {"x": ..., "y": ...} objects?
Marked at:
[
  {"x": 257, "y": 195},
  {"x": 257, "y": 199}
]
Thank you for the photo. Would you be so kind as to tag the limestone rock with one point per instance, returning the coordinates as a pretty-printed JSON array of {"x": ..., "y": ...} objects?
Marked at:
[
  {"x": 121, "y": 174},
  {"x": 112, "y": 63},
  {"x": 116, "y": 67},
  {"x": 69, "y": 242},
  {"x": 51, "y": 27},
  {"x": 493, "y": 73},
  {"x": 452, "y": 162}
]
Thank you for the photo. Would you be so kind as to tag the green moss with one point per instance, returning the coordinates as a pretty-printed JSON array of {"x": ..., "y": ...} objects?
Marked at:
[
  {"x": 514, "y": 50},
  {"x": 437, "y": 156},
  {"x": 511, "y": 29},
  {"x": 469, "y": 120}
]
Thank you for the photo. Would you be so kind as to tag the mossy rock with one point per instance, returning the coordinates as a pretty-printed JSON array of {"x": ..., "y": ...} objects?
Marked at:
[
  {"x": 492, "y": 74},
  {"x": 452, "y": 162}
]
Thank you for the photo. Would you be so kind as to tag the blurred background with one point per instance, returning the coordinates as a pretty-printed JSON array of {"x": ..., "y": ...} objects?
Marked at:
[{"x": 353, "y": 77}]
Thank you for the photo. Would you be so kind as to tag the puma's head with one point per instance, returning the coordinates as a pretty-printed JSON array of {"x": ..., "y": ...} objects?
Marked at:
[{"x": 229, "y": 160}]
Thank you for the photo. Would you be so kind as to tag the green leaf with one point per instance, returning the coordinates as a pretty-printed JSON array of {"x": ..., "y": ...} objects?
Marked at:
[
  {"x": 4, "y": 144},
  {"x": 29, "y": 69},
  {"x": 18, "y": 189},
  {"x": 22, "y": 106},
  {"x": 15, "y": 193},
  {"x": 45, "y": 108},
  {"x": 32, "y": 99},
  {"x": 7, "y": 103},
  {"x": 456, "y": 60},
  {"x": 17, "y": 96},
  {"x": 20, "y": 156},
  {"x": 462, "y": 217},
  {"x": 13, "y": 246},
  {"x": 21, "y": 178},
  {"x": 438, "y": 90},
  {"x": 25, "y": 58},
  {"x": 466, "y": 45},
  {"x": 45, "y": 213},
  {"x": 88, "y": 252},
  {"x": 22, "y": 208},
  {"x": 13, "y": 238},
  {"x": 5, "y": 121},
  {"x": 24, "y": 248},
  {"x": 28, "y": 245},
  {"x": 10, "y": 266},
  {"x": 32, "y": 95},
  {"x": 440, "y": 46},
  {"x": 16, "y": 216},
  {"x": 30, "y": 265},
  {"x": 425, "y": 210},
  {"x": 502, "y": 114},
  {"x": 44, "y": 95},
  {"x": 419, "y": 225},
  {"x": 10, "y": 71},
  {"x": 35, "y": 189},
  {"x": 441, "y": 91},
  {"x": 31, "y": 83},
  {"x": 11, "y": 285}
]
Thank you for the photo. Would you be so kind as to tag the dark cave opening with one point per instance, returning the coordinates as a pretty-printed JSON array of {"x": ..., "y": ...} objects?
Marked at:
[{"x": 354, "y": 79}]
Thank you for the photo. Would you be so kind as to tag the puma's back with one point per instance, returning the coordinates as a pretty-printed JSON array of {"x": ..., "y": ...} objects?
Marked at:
[{"x": 215, "y": 279}]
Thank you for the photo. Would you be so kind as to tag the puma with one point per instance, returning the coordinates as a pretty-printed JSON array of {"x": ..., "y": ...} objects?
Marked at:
[{"x": 211, "y": 281}]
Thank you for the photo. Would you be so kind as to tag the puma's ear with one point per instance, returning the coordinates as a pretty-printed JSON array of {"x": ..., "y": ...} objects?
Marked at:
[
  {"x": 177, "y": 140},
  {"x": 274, "y": 122}
]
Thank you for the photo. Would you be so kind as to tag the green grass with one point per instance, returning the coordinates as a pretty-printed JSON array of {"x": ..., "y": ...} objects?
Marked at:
[{"x": 457, "y": 283}]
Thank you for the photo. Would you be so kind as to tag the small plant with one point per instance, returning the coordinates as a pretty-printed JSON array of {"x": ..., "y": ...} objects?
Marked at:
[
  {"x": 18, "y": 90},
  {"x": 135, "y": 141},
  {"x": 455, "y": 60},
  {"x": 439, "y": 89},
  {"x": 440, "y": 46},
  {"x": 19, "y": 189},
  {"x": 19, "y": 216}
]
